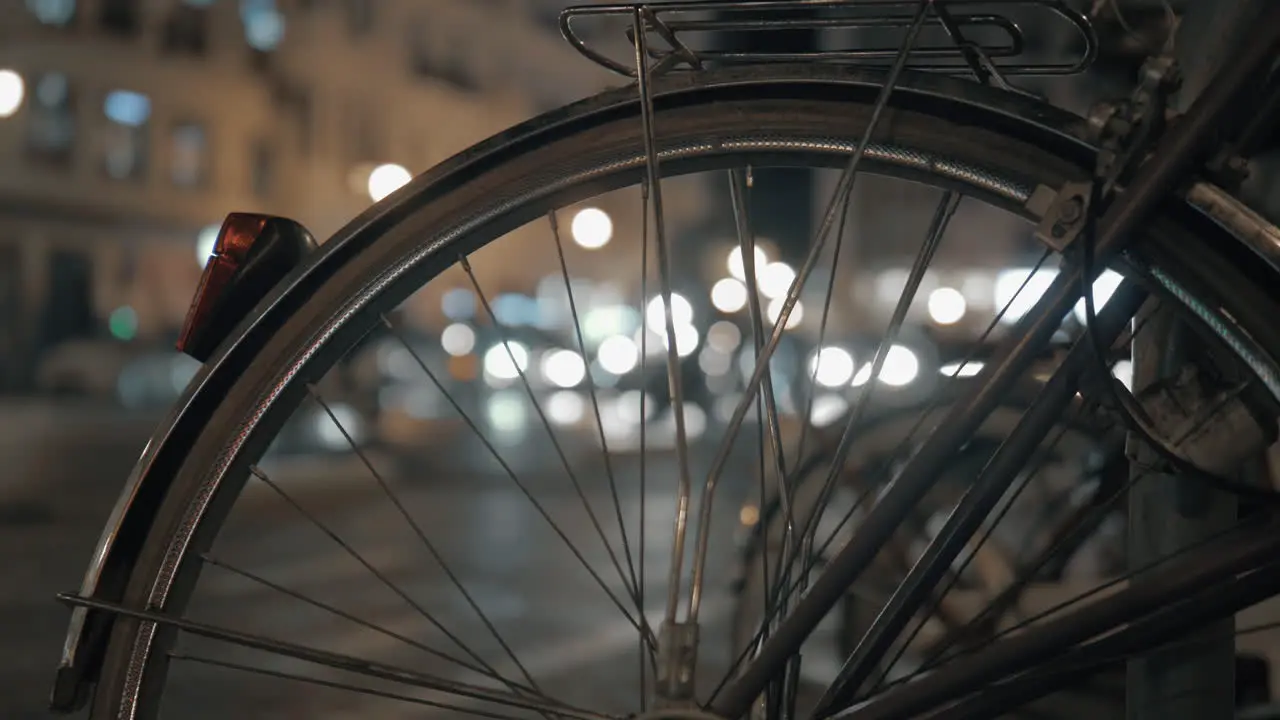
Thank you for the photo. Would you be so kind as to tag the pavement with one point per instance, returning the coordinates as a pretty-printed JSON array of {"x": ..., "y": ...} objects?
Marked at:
[
  {"x": 550, "y": 623},
  {"x": 560, "y": 628}
]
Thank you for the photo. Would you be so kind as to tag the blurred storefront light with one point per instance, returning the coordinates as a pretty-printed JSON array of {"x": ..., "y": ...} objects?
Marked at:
[
  {"x": 738, "y": 270},
  {"x": 655, "y": 313},
  {"x": 946, "y": 306},
  {"x": 776, "y": 279},
  {"x": 618, "y": 354},
  {"x": 458, "y": 339},
  {"x": 12, "y": 90},
  {"x": 386, "y": 179},
  {"x": 901, "y": 367},
  {"x": 498, "y": 361},
  {"x": 564, "y": 368},
  {"x": 729, "y": 295},
  {"x": 831, "y": 366},
  {"x": 591, "y": 228}
]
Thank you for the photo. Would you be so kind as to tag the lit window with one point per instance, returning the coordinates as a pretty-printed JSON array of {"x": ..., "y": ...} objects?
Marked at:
[
  {"x": 12, "y": 90},
  {"x": 51, "y": 127},
  {"x": 126, "y": 134},
  {"x": 53, "y": 12},
  {"x": 263, "y": 24},
  {"x": 189, "y": 154}
]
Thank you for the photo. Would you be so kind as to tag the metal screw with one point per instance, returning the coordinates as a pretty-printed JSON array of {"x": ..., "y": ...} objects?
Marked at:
[{"x": 1071, "y": 211}]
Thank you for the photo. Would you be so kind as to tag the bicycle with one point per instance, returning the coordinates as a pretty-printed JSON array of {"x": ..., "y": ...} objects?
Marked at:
[{"x": 1121, "y": 189}]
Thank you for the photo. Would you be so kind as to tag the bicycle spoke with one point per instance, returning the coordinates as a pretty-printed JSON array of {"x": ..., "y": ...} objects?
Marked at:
[
  {"x": 978, "y": 502},
  {"x": 640, "y": 625},
  {"x": 843, "y": 187},
  {"x": 341, "y": 613},
  {"x": 595, "y": 406},
  {"x": 1089, "y": 518},
  {"x": 1144, "y": 635},
  {"x": 1208, "y": 568},
  {"x": 483, "y": 667},
  {"x": 426, "y": 542},
  {"x": 955, "y": 575},
  {"x": 806, "y": 420},
  {"x": 932, "y": 405},
  {"x": 785, "y": 591},
  {"x": 226, "y": 664},
  {"x": 503, "y": 334},
  {"x": 766, "y": 402},
  {"x": 1059, "y": 607},
  {"x": 945, "y": 210},
  {"x": 644, "y": 366},
  {"x": 738, "y": 189},
  {"x": 337, "y": 661}
]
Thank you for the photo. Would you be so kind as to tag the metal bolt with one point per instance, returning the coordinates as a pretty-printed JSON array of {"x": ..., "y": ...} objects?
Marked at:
[{"x": 1072, "y": 210}]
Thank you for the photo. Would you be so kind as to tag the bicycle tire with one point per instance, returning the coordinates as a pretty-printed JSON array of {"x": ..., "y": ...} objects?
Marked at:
[{"x": 373, "y": 263}]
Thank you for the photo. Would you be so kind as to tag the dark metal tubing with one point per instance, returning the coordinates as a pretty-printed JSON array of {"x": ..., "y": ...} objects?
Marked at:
[
  {"x": 1214, "y": 603},
  {"x": 978, "y": 501},
  {"x": 1215, "y": 564},
  {"x": 755, "y": 16},
  {"x": 1184, "y": 145}
]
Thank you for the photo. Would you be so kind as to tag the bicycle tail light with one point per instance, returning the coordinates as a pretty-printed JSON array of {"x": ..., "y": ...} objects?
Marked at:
[{"x": 252, "y": 253}]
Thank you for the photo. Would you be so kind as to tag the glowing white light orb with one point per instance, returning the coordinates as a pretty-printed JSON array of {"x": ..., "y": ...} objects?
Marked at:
[
  {"x": 386, "y": 179},
  {"x": 656, "y": 317},
  {"x": 458, "y": 339},
  {"x": 563, "y": 368},
  {"x": 737, "y": 268},
  {"x": 618, "y": 354},
  {"x": 729, "y": 295},
  {"x": 591, "y": 228},
  {"x": 498, "y": 362},
  {"x": 946, "y": 306},
  {"x": 831, "y": 367}
]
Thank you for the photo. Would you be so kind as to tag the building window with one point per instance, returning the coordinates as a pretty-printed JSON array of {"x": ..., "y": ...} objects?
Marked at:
[
  {"x": 125, "y": 136},
  {"x": 296, "y": 104},
  {"x": 119, "y": 17},
  {"x": 262, "y": 168},
  {"x": 189, "y": 156},
  {"x": 359, "y": 17},
  {"x": 263, "y": 24},
  {"x": 59, "y": 13},
  {"x": 51, "y": 120},
  {"x": 187, "y": 30},
  {"x": 447, "y": 62}
]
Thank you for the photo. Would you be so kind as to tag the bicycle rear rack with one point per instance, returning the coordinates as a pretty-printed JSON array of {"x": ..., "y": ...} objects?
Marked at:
[{"x": 975, "y": 36}]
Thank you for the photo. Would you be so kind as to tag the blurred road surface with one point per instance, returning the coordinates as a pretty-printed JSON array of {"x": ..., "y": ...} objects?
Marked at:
[{"x": 560, "y": 628}]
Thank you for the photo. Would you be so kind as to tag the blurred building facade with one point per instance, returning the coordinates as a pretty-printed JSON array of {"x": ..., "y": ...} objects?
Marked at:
[{"x": 137, "y": 124}]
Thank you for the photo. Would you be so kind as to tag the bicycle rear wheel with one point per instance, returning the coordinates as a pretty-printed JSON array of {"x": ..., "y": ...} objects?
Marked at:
[{"x": 944, "y": 133}]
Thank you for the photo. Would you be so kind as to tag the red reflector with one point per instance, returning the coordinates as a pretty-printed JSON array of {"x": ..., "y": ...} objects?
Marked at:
[{"x": 238, "y": 234}]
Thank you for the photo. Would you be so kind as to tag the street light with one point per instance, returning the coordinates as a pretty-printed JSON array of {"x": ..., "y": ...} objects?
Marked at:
[
  {"x": 591, "y": 228},
  {"x": 386, "y": 179},
  {"x": 12, "y": 90}
]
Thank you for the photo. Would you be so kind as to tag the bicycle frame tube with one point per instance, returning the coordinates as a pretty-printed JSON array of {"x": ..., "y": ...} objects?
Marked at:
[
  {"x": 1177, "y": 153},
  {"x": 991, "y": 485},
  {"x": 1144, "y": 608}
]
